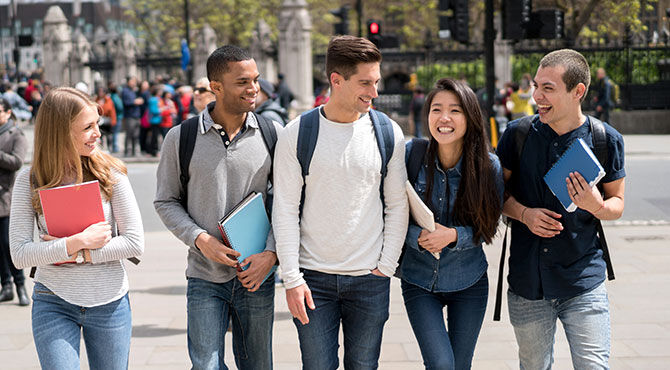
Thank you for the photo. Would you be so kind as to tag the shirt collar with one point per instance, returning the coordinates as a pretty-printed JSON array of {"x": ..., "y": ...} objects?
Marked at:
[
  {"x": 207, "y": 122},
  {"x": 455, "y": 170}
]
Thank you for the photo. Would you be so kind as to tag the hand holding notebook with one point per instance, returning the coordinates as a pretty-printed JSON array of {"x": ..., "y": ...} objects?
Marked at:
[
  {"x": 577, "y": 158},
  {"x": 421, "y": 214}
]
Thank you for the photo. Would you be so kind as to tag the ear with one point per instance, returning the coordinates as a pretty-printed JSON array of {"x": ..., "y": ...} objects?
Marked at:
[
  {"x": 336, "y": 79},
  {"x": 580, "y": 90},
  {"x": 216, "y": 86}
]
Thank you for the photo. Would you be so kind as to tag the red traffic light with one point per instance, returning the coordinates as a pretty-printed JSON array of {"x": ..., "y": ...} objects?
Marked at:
[{"x": 373, "y": 27}]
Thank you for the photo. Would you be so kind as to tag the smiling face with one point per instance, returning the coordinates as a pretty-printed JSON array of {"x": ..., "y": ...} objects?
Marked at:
[
  {"x": 355, "y": 94},
  {"x": 237, "y": 88},
  {"x": 555, "y": 104},
  {"x": 446, "y": 119},
  {"x": 85, "y": 132}
]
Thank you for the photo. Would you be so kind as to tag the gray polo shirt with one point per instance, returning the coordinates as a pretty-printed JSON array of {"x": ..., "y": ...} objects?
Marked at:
[{"x": 220, "y": 177}]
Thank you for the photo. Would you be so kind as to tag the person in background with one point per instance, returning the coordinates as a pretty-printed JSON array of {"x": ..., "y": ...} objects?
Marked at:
[
  {"x": 267, "y": 104},
  {"x": 87, "y": 291},
  {"x": 131, "y": 116},
  {"x": 285, "y": 94},
  {"x": 145, "y": 125},
  {"x": 603, "y": 98},
  {"x": 13, "y": 147},
  {"x": 322, "y": 97},
  {"x": 169, "y": 113},
  {"x": 522, "y": 98},
  {"x": 415, "y": 107},
  {"x": 202, "y": 95},
  {"x": 107, "y": 117},
  {"x": 118, "y": 108},
  {"x": 460, "y": 180},
  {"x": 155, "y": 117},
  {"x": 22, "y": 111}
]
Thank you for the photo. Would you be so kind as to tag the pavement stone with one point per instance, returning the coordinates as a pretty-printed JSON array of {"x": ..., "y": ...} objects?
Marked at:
[{"x": 640, "y": 305}]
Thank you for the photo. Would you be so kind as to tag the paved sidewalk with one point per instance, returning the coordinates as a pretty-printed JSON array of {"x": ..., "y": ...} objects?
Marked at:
[{"x": 640, "y": 303}]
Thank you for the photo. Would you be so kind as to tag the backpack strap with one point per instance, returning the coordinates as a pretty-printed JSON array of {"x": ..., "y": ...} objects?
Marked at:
[
  {"x": 187, "y": 136},
  {"x": 521, "y": 133},
  {"x": 415, "y": 159},
  {"x": 308, "y": 134},
  {"x": 269, "y": 133},
  {"x": 599, "y": 136},
  {"x": 501, "y": 267},
  {"x": 385, "y": 141}
]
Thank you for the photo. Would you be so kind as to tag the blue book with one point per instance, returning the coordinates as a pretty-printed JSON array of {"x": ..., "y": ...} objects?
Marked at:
[
  {"x": 577, "y": 158},
  {"x": 245, "y": 228}
]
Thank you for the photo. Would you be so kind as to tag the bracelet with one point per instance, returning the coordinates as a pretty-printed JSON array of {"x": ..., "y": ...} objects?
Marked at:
[
  {"x": 601, "y": 207},
  {"x": 522, "y": 212}
]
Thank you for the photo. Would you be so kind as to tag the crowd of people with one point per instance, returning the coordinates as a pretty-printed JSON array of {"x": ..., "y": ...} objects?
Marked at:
[{"x": 341, "y": 224}]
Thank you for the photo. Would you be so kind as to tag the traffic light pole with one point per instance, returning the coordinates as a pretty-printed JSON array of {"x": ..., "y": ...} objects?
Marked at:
[
  {"x": 489, "y": 39},
  {"x": 359, "y": 17},
  {"x": 189, "y": 69},
  {"x": 16, "y": 52}
]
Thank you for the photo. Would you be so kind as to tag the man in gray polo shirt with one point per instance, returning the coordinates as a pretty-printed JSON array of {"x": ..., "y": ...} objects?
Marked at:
[{"x": 230, "y": 160}]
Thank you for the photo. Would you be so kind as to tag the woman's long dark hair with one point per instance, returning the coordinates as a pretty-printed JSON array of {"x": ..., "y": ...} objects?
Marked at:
[{"x": 477, "y": 201}]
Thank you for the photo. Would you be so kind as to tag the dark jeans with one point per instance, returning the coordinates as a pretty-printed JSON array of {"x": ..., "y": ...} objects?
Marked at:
[
  {"x": 7, "y": 268},
  {"x": 132, "y": 128},
  {"x": 360, "y": 303},
  {"x": 153, "y": 143},
  {"x": 603, "y": 115},
  {"x": 210, "y": 307},
  {"x": 451, "y": 347}
]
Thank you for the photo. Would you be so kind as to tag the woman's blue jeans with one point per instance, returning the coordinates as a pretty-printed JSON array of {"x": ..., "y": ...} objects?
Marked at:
[
  {"x": 58, "y": 326},
  {"x": 449, "y": 347}
]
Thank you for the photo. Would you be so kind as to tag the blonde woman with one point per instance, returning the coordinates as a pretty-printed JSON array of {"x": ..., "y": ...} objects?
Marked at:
[{"x": 89, "y": 297}]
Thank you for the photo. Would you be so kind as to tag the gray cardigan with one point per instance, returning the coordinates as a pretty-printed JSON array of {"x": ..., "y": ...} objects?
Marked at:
[
  {"x": 13, "y": 147},
  {"x": 220, "y": 177}
]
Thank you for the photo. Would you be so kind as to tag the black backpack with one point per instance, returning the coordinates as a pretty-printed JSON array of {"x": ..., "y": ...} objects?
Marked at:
[
  {"x": 599, "y": 137},
  {"x": 188, "y": 134}
]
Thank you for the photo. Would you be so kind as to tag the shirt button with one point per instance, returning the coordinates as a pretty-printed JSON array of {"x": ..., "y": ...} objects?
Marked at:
[
  {"x": 440, "y": 199},
  {"x": 545, "y": 250},
  {"x": 223, "y": 133},
  {"x": 442, "y": 180},
  {"x": 227, "y": 142},
  {"x": 555, "y": 144}
]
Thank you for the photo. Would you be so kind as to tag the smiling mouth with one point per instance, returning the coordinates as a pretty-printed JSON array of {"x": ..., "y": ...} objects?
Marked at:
[
  {"x": 366, "y": 101},
  {"x": 445, "y": 129},
  {"x": 543, "y": 109}
]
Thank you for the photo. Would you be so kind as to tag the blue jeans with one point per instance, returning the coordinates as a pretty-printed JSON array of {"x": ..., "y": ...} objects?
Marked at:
[
  {"x": 448, "y": 347},
  {"x": 58, "y": 325},
  {"x": 586, "y": 321},
  {"x": 360, "y": 303},
  {"x": 210, "y": 308}
]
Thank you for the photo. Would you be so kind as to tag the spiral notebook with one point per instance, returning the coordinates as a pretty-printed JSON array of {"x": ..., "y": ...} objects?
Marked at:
[
  {"x": 245, "y": 228},
  {"x": 420, "y": 212},
  {"x": 577, "y": 158}
]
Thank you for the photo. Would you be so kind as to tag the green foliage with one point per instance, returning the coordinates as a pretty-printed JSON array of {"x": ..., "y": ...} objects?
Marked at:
[{"x": 473, "y": 72}]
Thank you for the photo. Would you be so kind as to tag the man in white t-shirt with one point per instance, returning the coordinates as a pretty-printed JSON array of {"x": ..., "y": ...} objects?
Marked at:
[{"x": 338, "y": 252}]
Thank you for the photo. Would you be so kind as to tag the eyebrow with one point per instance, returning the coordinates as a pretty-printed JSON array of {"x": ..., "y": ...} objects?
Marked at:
[
  {"x": 544, "y": 83},
  {"x": 451, "y": 105}
]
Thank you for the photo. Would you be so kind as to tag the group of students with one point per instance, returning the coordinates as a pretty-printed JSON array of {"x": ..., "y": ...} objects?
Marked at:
[{"x": 340, "y": 222}]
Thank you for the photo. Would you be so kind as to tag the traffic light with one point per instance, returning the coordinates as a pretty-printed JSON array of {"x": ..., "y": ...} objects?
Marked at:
[
  {"x": 25, "y": 40},
  {"x": 546, "y": 24},
  {"x": 342, "y": 27},
  {"x": 454, "y": 20},
  {"x": 375, "y": 32},
  {"x": 515, "y": 18}
]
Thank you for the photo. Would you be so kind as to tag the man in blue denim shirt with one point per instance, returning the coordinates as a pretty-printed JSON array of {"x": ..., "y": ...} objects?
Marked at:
[{"x": 556, "y": 269}]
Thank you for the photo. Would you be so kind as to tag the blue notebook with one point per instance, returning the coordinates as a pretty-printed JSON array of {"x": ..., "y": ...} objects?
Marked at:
[
  {"x": 577, "y": 158},
  {"x": 245, "y": 228}
]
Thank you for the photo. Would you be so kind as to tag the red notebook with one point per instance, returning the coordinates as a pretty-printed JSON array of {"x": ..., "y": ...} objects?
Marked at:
[{"x": 70, "y": 209}]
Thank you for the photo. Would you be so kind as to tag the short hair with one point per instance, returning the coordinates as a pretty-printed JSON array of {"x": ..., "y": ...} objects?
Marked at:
[
  {"x": 217, "y": 63},
  {"x": 345, "y": 53},
  {"x": 575, "y": 65}
]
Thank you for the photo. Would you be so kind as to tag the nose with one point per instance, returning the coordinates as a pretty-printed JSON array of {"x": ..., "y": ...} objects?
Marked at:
[
  {"x": 537, "y": 95},
  {"x": 96, "y": 131},
  {"x": 374, "y": 93}
]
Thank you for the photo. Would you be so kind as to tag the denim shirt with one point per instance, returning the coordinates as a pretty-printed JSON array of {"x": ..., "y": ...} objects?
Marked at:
[{"x": 462, "y": 263}]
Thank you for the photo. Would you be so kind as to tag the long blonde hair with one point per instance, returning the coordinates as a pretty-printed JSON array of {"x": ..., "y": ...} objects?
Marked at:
[{"x": 55, "y": 157}]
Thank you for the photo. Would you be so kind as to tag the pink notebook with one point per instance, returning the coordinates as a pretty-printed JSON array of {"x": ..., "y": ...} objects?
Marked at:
[{"x": 70, "y": 209}]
